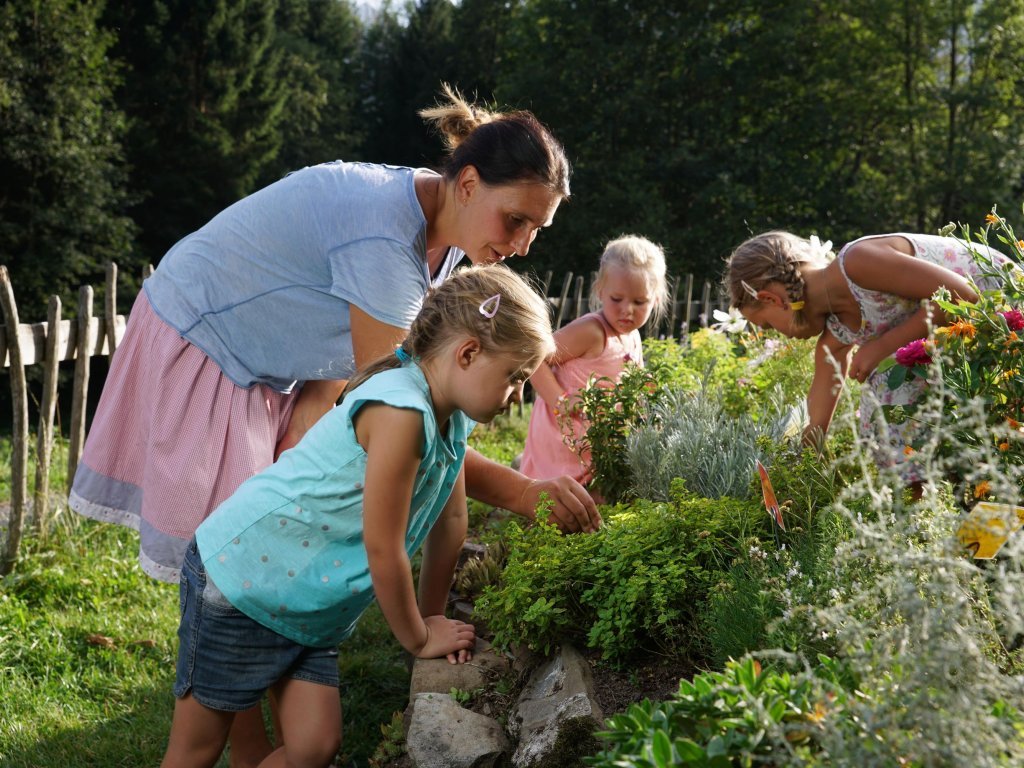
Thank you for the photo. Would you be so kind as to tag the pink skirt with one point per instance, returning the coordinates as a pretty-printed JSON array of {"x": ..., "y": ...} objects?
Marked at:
[{"x": 172, "y": 438}]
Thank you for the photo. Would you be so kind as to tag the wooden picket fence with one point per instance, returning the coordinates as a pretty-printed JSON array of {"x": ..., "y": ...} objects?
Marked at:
[{"x": 54, "y": 341}]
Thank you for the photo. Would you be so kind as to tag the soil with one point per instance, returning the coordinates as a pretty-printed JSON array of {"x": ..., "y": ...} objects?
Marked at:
[{"x": 656, "y": 678}]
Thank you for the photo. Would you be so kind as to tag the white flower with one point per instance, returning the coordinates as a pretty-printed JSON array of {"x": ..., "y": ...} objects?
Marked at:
[
  {"x": 819, "y": 249},
  {"x": 729, "y": 322}
]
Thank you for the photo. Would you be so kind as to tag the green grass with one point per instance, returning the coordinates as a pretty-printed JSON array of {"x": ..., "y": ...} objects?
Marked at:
[{"x": 67, "y": 701}]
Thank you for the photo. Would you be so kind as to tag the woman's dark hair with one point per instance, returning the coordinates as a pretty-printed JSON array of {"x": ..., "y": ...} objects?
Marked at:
[{"x": 504, "y": 147}]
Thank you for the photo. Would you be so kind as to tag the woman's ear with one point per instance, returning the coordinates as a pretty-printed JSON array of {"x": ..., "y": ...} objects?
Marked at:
[
  {"x": 466, "y": 183},
  {"x": 767, "y": 297}
]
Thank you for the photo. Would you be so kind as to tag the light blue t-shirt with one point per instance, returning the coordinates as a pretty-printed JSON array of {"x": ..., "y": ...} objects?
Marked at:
[
  {"x": 287, "y": 547},
  {"x": 264, "y": 288}
]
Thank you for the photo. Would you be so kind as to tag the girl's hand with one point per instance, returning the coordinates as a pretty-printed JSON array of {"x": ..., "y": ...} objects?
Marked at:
[
  {"x": 866, "y": 359},
  {"x": 572, "y": 507},
  {"x": 448, "y": 637}
]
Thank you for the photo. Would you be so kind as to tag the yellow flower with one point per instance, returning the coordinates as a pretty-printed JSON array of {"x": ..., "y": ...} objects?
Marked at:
[
  {"x": 981, "y": 489},
  {"x": 1020, "y": 244},
  {"x": 991, "y": 218}
]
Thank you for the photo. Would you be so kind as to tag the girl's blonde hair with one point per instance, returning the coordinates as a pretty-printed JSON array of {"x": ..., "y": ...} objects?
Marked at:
[
  {"x": 504, "y": 147},
  {"x": 492, "y": 304},
  {"x": 771, "y": 257},
  {"x": 637, "y": 254}
]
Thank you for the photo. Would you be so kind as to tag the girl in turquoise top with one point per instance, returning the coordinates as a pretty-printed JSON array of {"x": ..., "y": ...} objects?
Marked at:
[{"x": 277, "y": 577}]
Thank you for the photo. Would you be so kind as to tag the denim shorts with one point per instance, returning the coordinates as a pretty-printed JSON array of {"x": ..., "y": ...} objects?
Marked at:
[{"x": 225, "y": 659}]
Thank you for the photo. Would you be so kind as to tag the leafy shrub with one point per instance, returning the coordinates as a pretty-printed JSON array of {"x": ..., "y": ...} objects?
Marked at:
[
  {"x": 742, "y": 716},
  {"x": 747, "y": 368},
  {"x": 765, "y": 581},
  {"x": 638, "y": 582},
  {"x": 611, "y": 410}
]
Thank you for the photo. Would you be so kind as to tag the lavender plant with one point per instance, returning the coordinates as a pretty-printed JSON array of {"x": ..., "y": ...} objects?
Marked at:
[{"x": 691, "y": 436}]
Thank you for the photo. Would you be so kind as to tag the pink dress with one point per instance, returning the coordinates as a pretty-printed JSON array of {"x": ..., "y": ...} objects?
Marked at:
[{"x": 547, "y": 453}]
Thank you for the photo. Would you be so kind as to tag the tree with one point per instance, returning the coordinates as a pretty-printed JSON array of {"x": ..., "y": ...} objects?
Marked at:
[
  {"x": 62, "y": 173},
  {"x": 320, "y": 42},
  {"x": 404, "y": 65},
  {"x": 205, "y": 98}
]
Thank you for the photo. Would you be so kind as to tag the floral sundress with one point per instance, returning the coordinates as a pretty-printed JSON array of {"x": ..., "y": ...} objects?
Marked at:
[{"x": 881, "y": 311}]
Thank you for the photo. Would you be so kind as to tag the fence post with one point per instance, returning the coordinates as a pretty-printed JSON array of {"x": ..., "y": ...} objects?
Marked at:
[
  {"x": 110, "y": 307},
  {"x": 670, "y": 331},
  {"x": 44, "y": 441},
  {"x": 705, "y": 302},
  {"x": 688, "y": 315},
  {"x": 563, "y": 300},
  {"x": 81, "y": 387},
  {"x": 545, "y": 284},
  {"x": 577, "y": 302},
  {"x": 19, "y": 447}
]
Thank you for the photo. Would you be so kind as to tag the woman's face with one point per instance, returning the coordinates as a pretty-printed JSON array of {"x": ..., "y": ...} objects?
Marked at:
[{"x": 502, "y": 221}]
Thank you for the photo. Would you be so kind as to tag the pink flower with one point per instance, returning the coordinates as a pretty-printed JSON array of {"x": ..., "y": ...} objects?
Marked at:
[
  {"x": 1014, "y": 319},
  {"x": 914, "y": 353}
]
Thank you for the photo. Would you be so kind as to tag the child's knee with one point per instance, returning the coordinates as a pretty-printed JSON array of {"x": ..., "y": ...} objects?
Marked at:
[{"x": 316, "y": 751}]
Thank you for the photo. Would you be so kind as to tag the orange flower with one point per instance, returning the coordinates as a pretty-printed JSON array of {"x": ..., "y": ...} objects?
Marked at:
[
  {"x": 1020, "y": 244},
  {"x": 1014, "y": 424},
  {"x": 991, "y": 218},
  {"x": 1004, "y": 446},
  {"x": 962, "y": 328},
  {"x": 907, "y": 450},
  {"x": 981, "y": 489}
]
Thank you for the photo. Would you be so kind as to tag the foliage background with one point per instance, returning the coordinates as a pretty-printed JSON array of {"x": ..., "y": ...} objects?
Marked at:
[{"x": 126, "y": 125}]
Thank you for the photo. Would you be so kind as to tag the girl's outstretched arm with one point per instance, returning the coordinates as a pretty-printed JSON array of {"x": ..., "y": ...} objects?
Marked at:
[
  {"x": 440, "y": 556},
  {"x": 393, "y": 440},
  {"x": 830, "y": 361},
  {"x": 583, "y": 337},
  {"x": 887, "y": 264},
  {"x": 572, "y": 507}
]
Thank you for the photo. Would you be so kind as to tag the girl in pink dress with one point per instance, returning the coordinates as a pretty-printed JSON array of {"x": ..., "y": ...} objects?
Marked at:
[{"x": 629, "y": 289}]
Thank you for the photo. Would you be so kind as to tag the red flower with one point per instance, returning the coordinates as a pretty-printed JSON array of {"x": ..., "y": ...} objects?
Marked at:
[
  {"x": 914, "y": 353},
  {"x": 1014, "y": 319}
]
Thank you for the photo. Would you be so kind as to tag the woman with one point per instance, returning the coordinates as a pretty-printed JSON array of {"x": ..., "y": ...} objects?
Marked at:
[{"x": 245, "y": 334}]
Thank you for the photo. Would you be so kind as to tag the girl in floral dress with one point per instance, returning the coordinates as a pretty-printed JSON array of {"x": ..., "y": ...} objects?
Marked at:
[{"x": 872, "y": 298}]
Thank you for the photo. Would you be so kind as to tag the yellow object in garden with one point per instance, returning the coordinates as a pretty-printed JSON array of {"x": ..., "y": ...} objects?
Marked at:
[{"x": 988, "y": 526}]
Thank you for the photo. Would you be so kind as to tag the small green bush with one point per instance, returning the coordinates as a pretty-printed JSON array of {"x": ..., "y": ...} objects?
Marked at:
[
  {"x": 638, "y": 583},
  {"x": 739, "y": 717}
]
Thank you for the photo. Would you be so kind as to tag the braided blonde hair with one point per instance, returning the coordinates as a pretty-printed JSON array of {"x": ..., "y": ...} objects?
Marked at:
[{"x": 771, "y": 257}]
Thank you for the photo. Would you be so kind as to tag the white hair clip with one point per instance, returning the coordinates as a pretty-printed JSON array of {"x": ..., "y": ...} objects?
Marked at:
[
  {"x": 489, "y": 307},
  {"x": 748, "y": 288}
]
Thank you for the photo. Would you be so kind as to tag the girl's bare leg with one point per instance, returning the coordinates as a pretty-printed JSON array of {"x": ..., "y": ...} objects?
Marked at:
[
  {"x": 198, "y": 734},
  {"x": 248, "y": 739},
  {"x": 310, "y": 716}
]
